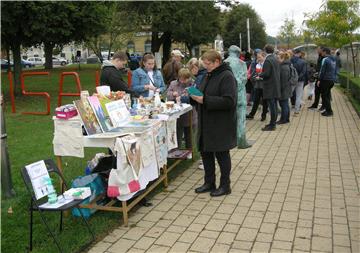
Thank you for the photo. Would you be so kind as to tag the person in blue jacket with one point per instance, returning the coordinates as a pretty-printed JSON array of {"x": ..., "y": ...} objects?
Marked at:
[
  {"x": 147, "y": 79},
  {"x": 327, "y": 77}
]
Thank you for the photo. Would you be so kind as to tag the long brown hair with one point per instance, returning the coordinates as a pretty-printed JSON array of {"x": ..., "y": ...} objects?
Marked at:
[{"x": 146, "y": 57}]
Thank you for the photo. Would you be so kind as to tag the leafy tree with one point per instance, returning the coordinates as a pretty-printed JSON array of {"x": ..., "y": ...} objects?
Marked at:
[
  {"x": 120, "y": 26},
  {"x": 235, "y": 23},
  {"x": 287, "y": 32},
  {"x": 29, "y": 23},
  {"x": 334, "y": 25},
  {"x": 197, "y": 27}
]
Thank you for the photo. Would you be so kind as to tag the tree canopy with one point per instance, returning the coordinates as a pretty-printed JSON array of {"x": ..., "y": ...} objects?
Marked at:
[
  {"x": 235, "y": 23},
  {"x": 334, "y": 25}
]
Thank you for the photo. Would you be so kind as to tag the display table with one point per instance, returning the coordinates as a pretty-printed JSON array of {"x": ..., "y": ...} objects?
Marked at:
[{"x": 74, "y": 144}]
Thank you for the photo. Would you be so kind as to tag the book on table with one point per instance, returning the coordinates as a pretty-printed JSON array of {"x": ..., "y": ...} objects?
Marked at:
[{"x": 88, "y": 117}]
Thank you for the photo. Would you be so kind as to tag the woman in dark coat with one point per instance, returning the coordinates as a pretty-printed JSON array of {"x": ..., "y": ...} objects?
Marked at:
[
  {"x": 284, "y": 60},
  {"x": 217, "y": 122}
]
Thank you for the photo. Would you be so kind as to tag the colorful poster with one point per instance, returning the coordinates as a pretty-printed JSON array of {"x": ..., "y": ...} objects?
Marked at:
[
  {"x": 38, "y": 174},
  {"x": 118, "y": 113},
  {"x": 99, "y": 113},
  {"x": 148, "y": 154},
  {"x": 88, "y": 117},
  {"x": 171, "y": 134},
  {"x": 161, "y": 149},
  {"x": 133, "y": 153}
]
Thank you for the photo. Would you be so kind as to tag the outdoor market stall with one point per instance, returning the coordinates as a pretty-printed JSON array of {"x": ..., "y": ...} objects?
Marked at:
[{"x": 140, "y": 144}]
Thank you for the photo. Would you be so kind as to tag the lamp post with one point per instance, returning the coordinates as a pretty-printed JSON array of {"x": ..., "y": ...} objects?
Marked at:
[{"x": 248, "y": 32}]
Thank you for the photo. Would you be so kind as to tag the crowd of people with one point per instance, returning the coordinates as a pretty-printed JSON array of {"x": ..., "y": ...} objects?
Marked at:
[{"x": 273, "y": 79}]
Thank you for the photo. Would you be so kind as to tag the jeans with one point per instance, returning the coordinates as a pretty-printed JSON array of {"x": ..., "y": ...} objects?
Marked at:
[
  {"x": 258, "y": 94},
  {"x": 285, "y": 110},
  {"x": 325, "y": 88},
  {"x": 299, "y": 90},
  {"x": 224, "y": 161},
  {"x": 273, "y": 111}
]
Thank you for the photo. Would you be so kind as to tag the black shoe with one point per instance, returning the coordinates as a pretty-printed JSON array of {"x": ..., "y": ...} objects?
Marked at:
[
  {"x": 327, "y": 114},
  {"x": 263, "y": 118},
  {"x": 268, "y": 128},
  {"x": 280, "y": 122},
  {"x": 312, "y": 107},
  {"x": 205, "y": 188},
  {"x": 220, "y": 191},
  {"x": 248, "y": 116}
]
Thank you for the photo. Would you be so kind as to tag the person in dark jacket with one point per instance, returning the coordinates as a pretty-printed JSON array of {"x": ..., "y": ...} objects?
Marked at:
[
  {"x": 326, "y": 81},
  {"x": 300, "y": 66},
  {"x": 271, "y": 85},
  {"x": 317, "y": 89},
  {"x": 284, "y": 60},
  {"x": 112, "y": 74},
  {"x": 217, "y": 122}
]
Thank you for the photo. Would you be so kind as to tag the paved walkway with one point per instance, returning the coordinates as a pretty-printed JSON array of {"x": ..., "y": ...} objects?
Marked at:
[{"x": 296, "y": 189}]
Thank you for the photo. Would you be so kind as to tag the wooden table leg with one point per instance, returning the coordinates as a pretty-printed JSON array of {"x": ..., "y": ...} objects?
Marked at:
[
  {"x": 125, "y": 213},
  {"x": 165, "y": 169}
]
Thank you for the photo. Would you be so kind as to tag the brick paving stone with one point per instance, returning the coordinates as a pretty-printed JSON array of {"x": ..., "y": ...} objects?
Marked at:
[
  {"x": 144, "y": 243},
  {"x": 180, "y": 247},
  {"x": 321, "y": 244},
  {"x": 322, "y": 230},
  {"x": 226, "y": 238},
  {"x": 282, "y": 245},
  {"x": 100, "y": 247},
  {"x": 202, "y": 244},
  {"x": 155, "y": 232},
  {"x": 268, "y": 228},
  {"x": 209, "y": 234},
  {"x": 252, "y": 222},
  {"x": 264, "y": 237},
  {"x": 283, "y": 234},
  {"x": 196, "y": 227},
  {"x": 122, "y": 245},
  {"x": 245, "y": 245},
  {"x": 158, "y": 249},
  {"x": 247, "y": 234},
  {"x": 215, "y": 224},
  {"x": 188, "y": 237},
  {"x": 231, "y": 228},
  {"x": 261, "y": 247},
  {"x": 135, "y": 233},
  {"x": 167, "y": 239},
  {"x": 220, "y": 248}
]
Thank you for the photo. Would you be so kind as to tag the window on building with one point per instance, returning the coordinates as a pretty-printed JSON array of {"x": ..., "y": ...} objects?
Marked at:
[
  {"x": 130, "y": 47},
  {"x": 147, "y": 46}
]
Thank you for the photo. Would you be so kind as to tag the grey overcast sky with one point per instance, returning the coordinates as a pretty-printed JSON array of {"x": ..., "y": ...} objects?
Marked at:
[{"x": 274, "y": 12}]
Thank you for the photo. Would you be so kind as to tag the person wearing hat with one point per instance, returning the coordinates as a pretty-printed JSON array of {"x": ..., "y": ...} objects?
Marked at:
[{"x": 172, "y": 67}]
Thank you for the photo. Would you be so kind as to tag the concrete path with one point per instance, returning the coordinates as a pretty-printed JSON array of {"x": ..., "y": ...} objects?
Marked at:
[{"x": 296, "y": 189}]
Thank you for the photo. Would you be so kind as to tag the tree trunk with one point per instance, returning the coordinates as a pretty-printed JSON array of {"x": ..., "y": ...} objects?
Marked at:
[
  {"x": 166, "y": 46},
  {"x": 190, "y": 47},
  {"x": 155, "y": 42},
  {"x": 48, "y": 48},
  {"x": 353, "y": 58},
  {"x": 17, "y": 67}
]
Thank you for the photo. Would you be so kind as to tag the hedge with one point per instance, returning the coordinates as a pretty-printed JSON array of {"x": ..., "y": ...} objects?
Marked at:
[{"x": 354, "y": 84}]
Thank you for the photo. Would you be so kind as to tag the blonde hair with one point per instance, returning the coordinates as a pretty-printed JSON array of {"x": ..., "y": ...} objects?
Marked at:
[
  {"x": 194, "y": 62},
  {"x": 211, "y": 55},
  {"x": 184, "y": 73},
  {"x": 284, "y": 56}
]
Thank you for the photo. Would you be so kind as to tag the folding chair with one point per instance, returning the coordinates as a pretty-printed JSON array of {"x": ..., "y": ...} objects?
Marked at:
[{"x": 35, "y": 204}]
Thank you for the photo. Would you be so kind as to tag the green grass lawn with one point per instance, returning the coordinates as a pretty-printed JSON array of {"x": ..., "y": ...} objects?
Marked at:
[{"x": 29, "y": 140}]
